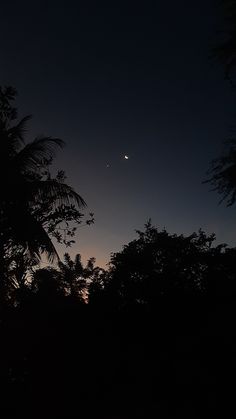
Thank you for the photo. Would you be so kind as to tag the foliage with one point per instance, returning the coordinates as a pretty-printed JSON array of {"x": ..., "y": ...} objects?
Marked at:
[
  {"x": 158, "y": 264},
  {"x": 71, "y": 279},
  {"x": 48, "y": 284},
  {"x": 75, "y": 275},
  {"x": 97, "y": 287},
  {"x": 222, "y": 174},
  {"x": 35, "y": 206}
]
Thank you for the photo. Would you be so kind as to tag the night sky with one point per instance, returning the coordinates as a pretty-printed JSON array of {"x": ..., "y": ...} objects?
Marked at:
[{"x": 129, "y": 78}]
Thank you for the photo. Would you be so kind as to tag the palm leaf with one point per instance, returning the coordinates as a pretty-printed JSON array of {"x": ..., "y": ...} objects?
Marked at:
[
  {"x": 78, "y": 264},
  {"x": 30, "y": 234},
  {"x": 222, "y": 175},
  {"x": 33, "y": 154},
  {"x": 17, "y": 132},
  {"x": 58, "y": 192},
  {"x": 41, "y": 244}
]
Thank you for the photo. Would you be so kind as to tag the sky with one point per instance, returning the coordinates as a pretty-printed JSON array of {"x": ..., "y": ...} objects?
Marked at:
[{"x": 126, "y": 78}]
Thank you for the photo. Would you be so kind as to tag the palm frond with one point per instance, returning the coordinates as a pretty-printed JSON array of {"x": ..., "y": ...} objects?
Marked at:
[
  {"x": 58, "y": 192},
  {"x": 78, "y": 264},
  {"x": 42, "y": 244},
  {"x": 33, "y": 154},
  {"x": 32, "y": 236},
  {"x": 16, "y": 134},
  {"x": 222, "y": 175}
]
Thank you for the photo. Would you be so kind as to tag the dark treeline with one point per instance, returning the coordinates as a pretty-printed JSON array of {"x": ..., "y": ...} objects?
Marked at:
[{"x": 152, "y": 335}]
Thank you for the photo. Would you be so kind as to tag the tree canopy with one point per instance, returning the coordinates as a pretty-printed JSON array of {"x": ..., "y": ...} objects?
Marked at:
[{"x": 158, "y": 264}]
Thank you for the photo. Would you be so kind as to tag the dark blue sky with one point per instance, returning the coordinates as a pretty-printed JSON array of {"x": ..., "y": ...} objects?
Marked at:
[{"x": 130, "y": 78}]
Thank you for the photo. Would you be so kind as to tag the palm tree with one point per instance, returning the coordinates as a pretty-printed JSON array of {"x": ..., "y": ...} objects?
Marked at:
[
  {"x": 32, "y": 202},
  {"x": 75, "y": 275}
]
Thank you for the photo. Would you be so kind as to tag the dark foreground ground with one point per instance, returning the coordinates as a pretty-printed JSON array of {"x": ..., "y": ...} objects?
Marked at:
[{"x": 67, "y": 361}]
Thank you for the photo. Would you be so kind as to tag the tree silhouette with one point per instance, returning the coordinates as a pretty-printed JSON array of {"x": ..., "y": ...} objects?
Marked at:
[
  {"x": 96, "y": 287},
  {"x": 222, "y": 174},
  {"x": 70, "y": 279},
  {"x": 158, "y": 264},
  {"x": 33, "y": 203},
  {"x": 48, "y": 284},
  {"x": 143, "y": 343},
  {"x": 75, "y": 275}
]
